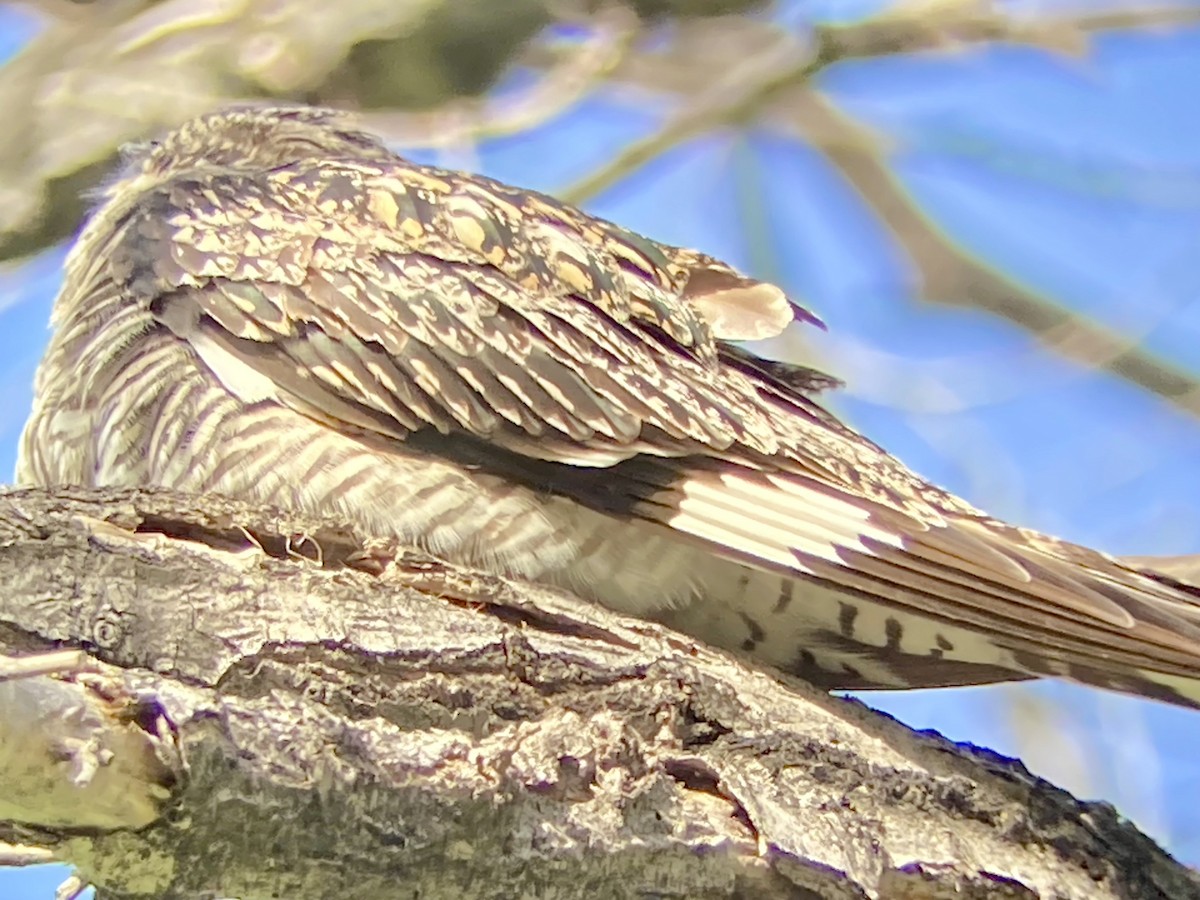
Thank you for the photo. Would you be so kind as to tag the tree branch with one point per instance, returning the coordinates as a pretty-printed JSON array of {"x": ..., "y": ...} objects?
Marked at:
[
  {"x": 916, "y": 26},
  {"x": 952, "y": 276},
  {"x": 326, "y": 712}
]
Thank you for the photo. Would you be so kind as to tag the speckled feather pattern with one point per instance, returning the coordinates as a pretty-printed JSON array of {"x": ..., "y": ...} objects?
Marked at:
[{"x": 269, "y": 304}]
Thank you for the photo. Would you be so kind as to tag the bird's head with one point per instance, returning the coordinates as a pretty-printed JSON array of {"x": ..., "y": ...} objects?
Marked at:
[{"x": 243, "y": 138}]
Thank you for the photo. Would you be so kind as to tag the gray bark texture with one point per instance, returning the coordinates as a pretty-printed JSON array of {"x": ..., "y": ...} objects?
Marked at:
[{"x": 268, "y": 706}]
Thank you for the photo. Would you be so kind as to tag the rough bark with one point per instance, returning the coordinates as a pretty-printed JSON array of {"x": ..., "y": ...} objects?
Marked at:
[{"x": 270, "y": 707}]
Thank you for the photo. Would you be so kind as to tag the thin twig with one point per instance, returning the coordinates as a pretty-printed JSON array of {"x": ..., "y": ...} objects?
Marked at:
[
  {"x": 953, "y": 276},
  {"x": 575, "y": 73},
  {"x": 915, "y": 27},
  {"x": 733, "y": 98}
]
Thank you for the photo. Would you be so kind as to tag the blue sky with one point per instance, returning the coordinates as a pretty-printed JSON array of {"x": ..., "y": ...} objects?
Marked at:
[{"x": 1081, "y": 176}]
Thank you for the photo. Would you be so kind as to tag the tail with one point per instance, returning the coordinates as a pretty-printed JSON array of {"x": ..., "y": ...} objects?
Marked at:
[{"x": 847, "y": 640}]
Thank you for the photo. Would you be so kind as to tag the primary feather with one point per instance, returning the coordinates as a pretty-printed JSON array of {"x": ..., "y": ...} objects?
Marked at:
[{"x": 272, "y": 305}]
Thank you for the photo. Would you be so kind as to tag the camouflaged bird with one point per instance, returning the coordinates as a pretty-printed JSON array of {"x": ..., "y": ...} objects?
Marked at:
[{"x": 271, "y": 305}]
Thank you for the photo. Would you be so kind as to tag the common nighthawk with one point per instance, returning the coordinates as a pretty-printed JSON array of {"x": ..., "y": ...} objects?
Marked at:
[{"x": 271, "y": 305}]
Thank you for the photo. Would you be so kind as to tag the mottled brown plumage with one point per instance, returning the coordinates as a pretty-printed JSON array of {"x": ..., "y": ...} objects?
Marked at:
[{"x": 272, "y": 305}]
